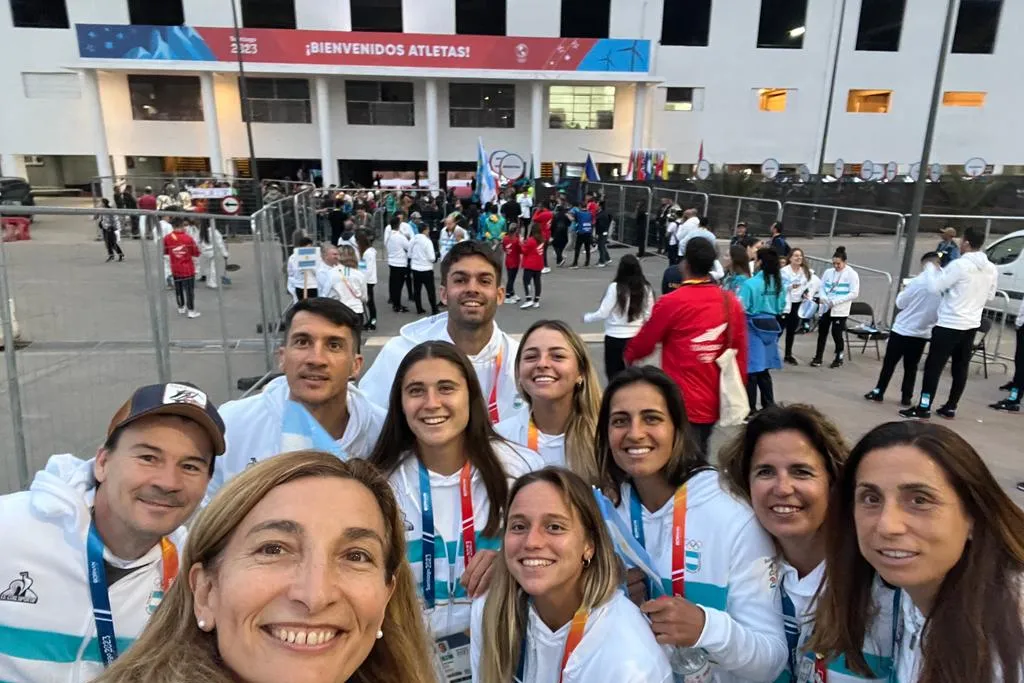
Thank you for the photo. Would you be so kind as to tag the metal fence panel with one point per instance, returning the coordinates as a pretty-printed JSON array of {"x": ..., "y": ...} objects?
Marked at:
[
  {"x": 728, "y": 210},
  {"x": 631, "y": 207},
  {"x": 876, "y": 287}
]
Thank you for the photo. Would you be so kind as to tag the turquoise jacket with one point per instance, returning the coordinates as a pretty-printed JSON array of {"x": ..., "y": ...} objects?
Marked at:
[{"x": 758, "y": 301}]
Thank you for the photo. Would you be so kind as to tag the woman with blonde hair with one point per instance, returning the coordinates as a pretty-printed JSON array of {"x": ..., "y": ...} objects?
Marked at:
[
  {"x": 295, "y": 572},
  {"x": 554, "y": 612},
  {"x": 348, "y": 283},
  {"x": 557, "y": 378}
]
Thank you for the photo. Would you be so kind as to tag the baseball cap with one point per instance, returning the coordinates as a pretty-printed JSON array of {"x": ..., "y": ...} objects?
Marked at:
[
  {"x": 416, "y": 214},
  {"x": 174, "y": 398},
  {"x": 948, "y": 232}
]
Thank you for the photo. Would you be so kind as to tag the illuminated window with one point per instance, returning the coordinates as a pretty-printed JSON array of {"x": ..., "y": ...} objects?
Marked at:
[
  {"x": 684, "y": 99},
  {"x": 772, "y": 99},
  {"x": 582, "y": 107},
  {"x": 869, "y": 101},
  {"x": 952, "y": 98}
]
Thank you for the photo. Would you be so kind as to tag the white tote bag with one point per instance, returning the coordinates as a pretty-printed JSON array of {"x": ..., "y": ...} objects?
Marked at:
[{"x": 733, "y": 404}]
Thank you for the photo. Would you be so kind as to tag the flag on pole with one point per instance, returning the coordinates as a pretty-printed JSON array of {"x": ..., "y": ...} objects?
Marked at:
[
  {"x": 629, "y": 169},
  {"x": 664, "y": 166},
  {"x": 700, "y": 154},
  {"x": 486, "y": 184},
  {"x": 590, "y": 171}
]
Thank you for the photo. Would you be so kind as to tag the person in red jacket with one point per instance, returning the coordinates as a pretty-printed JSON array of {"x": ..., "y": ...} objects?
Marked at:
[
  {"x": 533, "y": 264},
  {"x": 693, "y": 324},
  {"x": 543, "y": 215},
  {"x": 513, "y": 247},
  {"x": 180, "y": 248}
]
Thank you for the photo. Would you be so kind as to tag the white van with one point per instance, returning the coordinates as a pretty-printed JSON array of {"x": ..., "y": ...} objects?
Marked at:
[{"x": 1007, "y": 253}]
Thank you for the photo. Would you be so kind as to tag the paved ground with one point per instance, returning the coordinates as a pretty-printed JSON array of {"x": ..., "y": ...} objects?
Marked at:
[{"x": 90, "y": 329}]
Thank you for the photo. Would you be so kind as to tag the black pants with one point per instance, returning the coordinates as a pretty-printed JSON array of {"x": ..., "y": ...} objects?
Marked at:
[
  {"x": 614, "y": 350},
  {"x": 424, "y": 278},
  {"x": 408, "y": 278},
  {"x": 110, "y": 240},
  {"x": 301, "y": 293},
  {"x": 672, "y": 252},
  {"x": 763, "y": 381},
  {"x": 837, "y": 326},
  {"x": 947, "y": 344},
  {"x": 560, "y": 243},
  {"x": 910, "y": 349},
  {"x": 602, "y": 248},
  {"x": 510, "y": 281},
  {"x": 792, "y": 323},
  {"x": 534, "y": 277},
  {"x": 371, "y": 305},
  {"x": 397, "y": 276},
  {"x": 1018, "y": 362},
  {"x": 702, "y": 433},
  {"x": 583, "y": 241},
  {"x": 185, "y": 292}
]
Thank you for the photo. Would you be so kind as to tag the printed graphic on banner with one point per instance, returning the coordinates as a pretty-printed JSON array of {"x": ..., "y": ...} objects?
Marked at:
[{"x": 285, "y": 46}]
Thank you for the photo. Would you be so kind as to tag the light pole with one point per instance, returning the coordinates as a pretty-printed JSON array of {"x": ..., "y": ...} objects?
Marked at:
[
  {"x": 246, "y": 106},
  {"x": 831, "y": 89}
]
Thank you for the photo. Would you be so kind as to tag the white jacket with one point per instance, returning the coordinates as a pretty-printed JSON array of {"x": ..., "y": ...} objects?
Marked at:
[
  {"x": 421, "y": 253},
  {"x": 919, "y": 309},
  {"x": 695, "y": 233},
  {"x": 368, "y": 265},
  {"x": 797, "y": 284},
  {"x": 617, "y": 645},
  {"x": 302, "y": 279},
  {"x": 839, "y": 288},
  {"x": 616, "y": 322},
  {"x": 730, "y": 573},
  {"x": 516, "y": 429},
  {"x": 965, "y": 285},
  {"x": 397, "y": 246},
  {"x": 47, "y": 629},
  {"x": 451, "y": 611},
  {"x": 214, "y": 246},
  {"x": 377, "y": 380},
  {"x": 347, "y": 285},
  {"x": 253, "y": 429}
]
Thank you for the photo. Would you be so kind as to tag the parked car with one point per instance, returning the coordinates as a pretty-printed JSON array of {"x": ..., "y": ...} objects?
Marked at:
[{"x": 1007, "y": 253}]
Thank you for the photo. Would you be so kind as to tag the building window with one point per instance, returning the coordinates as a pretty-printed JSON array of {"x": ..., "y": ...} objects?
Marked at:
[
  {"x": 953, "y": 98},
  {"x": 686, "y": 22},
  {"x": 482, "y": 105},
  {"x": 783, "y": 24},
  {"x": 39, "y": 13},
  {"x": 156, "y": 12},
  {"x": 771, "y": 99},
  {"x": 684, "y": 99},
  {"x": 267, "y": 13},
  {"x": 165, "y": 98},
  {"x": 881, "y": 22},
  {"x": 480, "y": 17},
  {"x": 869, "y": 101},
  {"x": 379, "y": 103},
  {"x": 582, "y": 107},
  {"x": 51, "y": 86},
  {"x": 585, "y": 18},
  {"x": 381, "y": 16},
  {"x": 278, "y": 100},
  {"x": 976, "y": 26}
]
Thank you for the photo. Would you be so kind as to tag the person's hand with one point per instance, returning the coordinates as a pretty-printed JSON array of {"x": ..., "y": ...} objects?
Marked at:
[
  {"x": 636, "y": 586},
  {"x": 477, "y": 577},
  {"x": 675, "y": 621}
]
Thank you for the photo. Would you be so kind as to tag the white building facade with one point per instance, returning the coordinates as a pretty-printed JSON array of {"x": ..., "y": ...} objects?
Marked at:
[{"x": 831, "y": 79}]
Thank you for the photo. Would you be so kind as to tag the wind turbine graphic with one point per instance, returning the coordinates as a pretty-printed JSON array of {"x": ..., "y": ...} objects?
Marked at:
[
  {"x": 608, "y": 61},
  {"x": 635, "y": 55}
]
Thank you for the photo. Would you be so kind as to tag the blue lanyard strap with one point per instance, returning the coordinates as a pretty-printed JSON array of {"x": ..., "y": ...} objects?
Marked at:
[
  {"x": 897, "y": 636},
  {"x": 97, "y": 574},
  {"x": 792, "y": 628},
  {"x": 427, "y": 505},
  {"x": 636, "y": 523}
]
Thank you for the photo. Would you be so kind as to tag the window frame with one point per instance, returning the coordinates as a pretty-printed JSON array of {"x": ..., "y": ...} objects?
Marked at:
[
  {"x": 675, "y": 14},
  {"x": 860, "y": 44},
  {"x": 960, "y": 38},
  {"x": 60, "y": 22},
  {"x": 588, "y": 8},
  {"x": 288, "y": 26},
  {"x": 570, "y": 115},
  {"x": 482, "y": 9},
  {"x": 488, "y": 116},
  {"x": 868, "y": 92},
  {"x": 137, "y": 107},
  {"x": 691, "y": 101},
  {"x": 286, "y": 103},
  {"x": 767, "y": 20},
  {"x": 372, "y": 110},
  {"x": 375, "y": 9}
]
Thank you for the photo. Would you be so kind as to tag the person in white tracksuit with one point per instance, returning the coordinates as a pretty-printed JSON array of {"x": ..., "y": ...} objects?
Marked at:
[
  {"x": 840, "y": 286},
  {"x": 724, "y": 616},
  {"x": 214, "y": 257},
  {"x": 102, "y": 537},
  {"x": 784, "y": 464},
  {"x": 558, "y": 567},
  {"x": 450, "y": 472},
  {"x": 319, "y": 356}
]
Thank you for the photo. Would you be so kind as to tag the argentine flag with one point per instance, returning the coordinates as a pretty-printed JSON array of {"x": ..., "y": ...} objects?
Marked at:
[{"x": 486, "y": 185}]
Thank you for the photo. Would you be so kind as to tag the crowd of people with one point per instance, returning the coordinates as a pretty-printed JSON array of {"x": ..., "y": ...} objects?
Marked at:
[{"x": 477, "y": 508}]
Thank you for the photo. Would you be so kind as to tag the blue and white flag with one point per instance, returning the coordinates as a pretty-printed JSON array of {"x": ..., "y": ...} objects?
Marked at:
[
  {"x": 590, "y": 171},
  {"x": 486, "y": 184},
  {"x": 300, "y": 431},
  {"x": 629, "y": 550}
]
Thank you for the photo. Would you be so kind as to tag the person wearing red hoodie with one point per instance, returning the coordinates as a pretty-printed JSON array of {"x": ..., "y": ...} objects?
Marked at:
[
  {"x": 533, "y": 264},
  {"x": 694, "y": 324},
  {"x": 513, "y": 247},
  {"x": 181, "y": 249},
  {"x": 543, "y": 215}
]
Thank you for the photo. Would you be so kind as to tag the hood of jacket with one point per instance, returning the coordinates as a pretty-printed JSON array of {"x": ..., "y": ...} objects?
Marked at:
[{"x": 976, "y": 260}]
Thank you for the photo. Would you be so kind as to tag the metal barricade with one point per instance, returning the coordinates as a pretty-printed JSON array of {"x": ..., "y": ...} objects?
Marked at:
[
  {"x": 631, "y": 206},
  {"x": 995, "y": 226},
  {"x": 876, "y": 287},
  {"x": 824, "y": 220},
  {"x": 757, "y": 212},
  {"x": 1000, "y": 318}
]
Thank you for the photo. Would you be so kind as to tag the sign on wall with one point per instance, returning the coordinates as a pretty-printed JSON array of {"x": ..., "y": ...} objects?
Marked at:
[{"x": 427, "y": 51}]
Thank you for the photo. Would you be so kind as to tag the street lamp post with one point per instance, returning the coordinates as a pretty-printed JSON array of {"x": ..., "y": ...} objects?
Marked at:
[{"x": 246, "y": 106}]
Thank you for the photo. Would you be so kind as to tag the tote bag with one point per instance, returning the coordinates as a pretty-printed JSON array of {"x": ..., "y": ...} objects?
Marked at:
[{"x": 733, "y": 403}]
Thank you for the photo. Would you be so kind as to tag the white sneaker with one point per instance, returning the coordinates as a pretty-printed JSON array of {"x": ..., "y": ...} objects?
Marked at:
[
  {"x": 527, "y": 303},
  {"x": 546, "y": 270},
  {"x": 193, "y": 314},
  {"x": 535, "y": 304},
  {"x": 181, "y": 310},
  {"x": 512, "y": 299}
]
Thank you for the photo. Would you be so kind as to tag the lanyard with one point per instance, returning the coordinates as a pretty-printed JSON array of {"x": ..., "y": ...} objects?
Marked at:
[
  {"x": 532, "y": 437},
  {"x": 468, "y": 530},
  {"x": 678, "y": 535},
  {"x": 792, "y": 628},
  {"x": 579, "y": 624},
  {"x": 97, "y": 576},
  {"x": 492, "y": 402},
  {"x": 821, "y": 664}
]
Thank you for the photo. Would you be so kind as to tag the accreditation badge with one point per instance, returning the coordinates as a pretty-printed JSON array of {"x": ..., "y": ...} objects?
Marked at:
[{"x": 453, "y": 653}]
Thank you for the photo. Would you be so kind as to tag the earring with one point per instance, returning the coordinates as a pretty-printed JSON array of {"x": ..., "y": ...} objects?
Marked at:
[
  {"x": 202, "y": 625},
  {"x": 586, "y": 562},
  {"x": 380, "y": 634}
]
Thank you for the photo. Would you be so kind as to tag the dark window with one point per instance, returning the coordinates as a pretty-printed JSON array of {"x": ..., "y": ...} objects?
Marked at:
[
  {"x": 156, "y": 12},
  {"x": 480, "y": 17},
  {"x": 976, "y": 26},
  {"x": 267, "y": 13},
  {"x": 377, "y": 15},
  {"x": 686, "y": 22},
  {"x": 482, "y": 105},
  {"x": 39, "y": 13},
  {"x": 881, "y": 22},
  {"x": 165, "y": 98},
  {"x": 783, "y": 24},
  {"x": 278, "y": 100},
  {"x": 379, "y": 103},
  {"x": 585, "y": 18}
]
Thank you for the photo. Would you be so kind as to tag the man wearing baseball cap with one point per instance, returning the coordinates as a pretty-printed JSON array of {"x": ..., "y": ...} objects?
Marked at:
[
  {"x": 948, "y": 249},
  {"x": 90, "y": 549}
]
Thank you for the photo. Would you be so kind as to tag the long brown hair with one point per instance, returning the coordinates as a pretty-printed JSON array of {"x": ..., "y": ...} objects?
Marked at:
[
  {"x": 975, "y": 621},
  {"x": 504, "y": 621},
  {"x": 396, "y": 437},
  {"x": 172, "y": 648},
  {"x": 586, "y": 401}
]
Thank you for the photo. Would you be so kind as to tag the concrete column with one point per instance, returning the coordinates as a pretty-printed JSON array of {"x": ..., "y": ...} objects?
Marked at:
[
  {"x": 433, "y": 156},
  {"x": 91, "y": 95},
  {"x": 120, "y": 166},
  {"x": 536, "y": 125},
  {"x": 640, "y": 116},
  {"x": 323, "y": 122},
  {"x": 13, "y": 165},
  {"x": 212, "y": 125}
]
